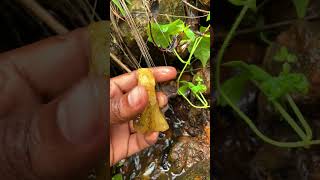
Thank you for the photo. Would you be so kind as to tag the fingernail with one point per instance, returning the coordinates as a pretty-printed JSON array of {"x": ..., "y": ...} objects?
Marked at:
[
  {"x": 166, "y": 70},
  {"x": 134, "y": 96},
  {"x": 79, "y": 113}
]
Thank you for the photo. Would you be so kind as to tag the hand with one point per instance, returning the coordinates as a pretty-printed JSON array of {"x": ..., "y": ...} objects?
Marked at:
[
  {"x": 52, "y": 115},
  {"x": 127, "y": 101}
]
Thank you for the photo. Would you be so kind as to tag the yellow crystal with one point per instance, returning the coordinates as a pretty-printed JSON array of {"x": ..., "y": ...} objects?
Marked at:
[{"x": 152, "y": 118}]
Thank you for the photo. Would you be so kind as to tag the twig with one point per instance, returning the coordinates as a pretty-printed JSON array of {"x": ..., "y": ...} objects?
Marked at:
[
  {"x": 192, "y": 6},
  {"x": 170, "y": 15},
  {"x": 46, "y": 17},
  {"x": 268, "y": 27},
  {"x": 118, "y": 61}
]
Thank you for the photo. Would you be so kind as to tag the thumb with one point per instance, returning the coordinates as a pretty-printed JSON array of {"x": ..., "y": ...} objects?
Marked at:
[
  {"x": 126, "y": 107},
  {"x": 69, "y": 135}
]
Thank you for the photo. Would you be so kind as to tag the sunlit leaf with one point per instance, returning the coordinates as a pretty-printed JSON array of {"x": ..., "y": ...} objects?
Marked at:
[
  {"x": 202, "y": 52},
  {"x": 117, "y": 177},
  {"x": 162, "y": 33}
]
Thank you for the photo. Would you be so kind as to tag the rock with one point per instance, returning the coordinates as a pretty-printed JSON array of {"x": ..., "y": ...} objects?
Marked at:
[
  {"x": 197, "y": 118},
  {"x": 187, "y": 152},
  {"x": 268, "y": 161},
  {"x": 200, "y": 171}
]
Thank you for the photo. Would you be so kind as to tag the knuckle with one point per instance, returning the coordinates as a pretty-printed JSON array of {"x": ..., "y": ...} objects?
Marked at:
[
  {"x": 115, "y": 109},
  {"x": 15, "y": 158}
]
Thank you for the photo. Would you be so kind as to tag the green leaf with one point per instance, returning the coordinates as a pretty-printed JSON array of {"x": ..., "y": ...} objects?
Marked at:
[
  {"x": 208, "y": 17},
  {"x": 286, "y": 68},
  {"x": 190, "y": 34},
  {"x": 273, "y": 87},
  {"x": 162, "y": 33},
  {"x": 277, "y": 87},
  {"x": 301, "y": 7},
  {"x": 195, "y": 89},
  {"x": 198, "y": 88},
  {"x": 233, "y": 88},
  {"x": 117, "y": 177},
  {"x": 129, "y": 2},
  {"x": 292, "y": 58},
  {"x": 199, "y": 79},
  {"x": 283, "y": 55},
  {"x": 117, "y": 3},
  {"x": 254, "y": 72},
  {"x": 202, "y": 52},
  {"x": 183, "y": 89}
]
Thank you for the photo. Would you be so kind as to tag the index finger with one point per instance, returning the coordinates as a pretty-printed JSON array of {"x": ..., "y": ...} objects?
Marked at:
[
  {"x": 129, "y": 80},
  {"x": 54, "y": 64}
]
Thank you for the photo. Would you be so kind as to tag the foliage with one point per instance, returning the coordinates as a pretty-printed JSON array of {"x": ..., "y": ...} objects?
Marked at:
[
  {"x": 274, "y": 88},
  {"x": 203, "y": 51},
  {"x": 164, "y": 35},
  {"x": 117, "y": 177},
  {"x": 301, "y": 7},
  {"x": 117, "y": 3},
  {"x": 283, "y": 55},
  {"x": 234, "y": 88},
  {"x": 196, "y": 89}
]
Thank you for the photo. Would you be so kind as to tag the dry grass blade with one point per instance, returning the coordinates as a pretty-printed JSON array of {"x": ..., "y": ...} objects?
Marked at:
[
  {"x": 119, "y": 62},
  {"x": 142, "y": 45},
  {"x": 118, "y": 39},
  {"x": 46, "y": 17}
]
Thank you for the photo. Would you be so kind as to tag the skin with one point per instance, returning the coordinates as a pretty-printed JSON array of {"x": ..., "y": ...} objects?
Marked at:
[{"x": 53, "y": 116}]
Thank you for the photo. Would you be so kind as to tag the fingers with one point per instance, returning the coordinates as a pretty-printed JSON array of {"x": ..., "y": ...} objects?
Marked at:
[
  {"x": 46, "y": 64},
  {"x": 129, "y": 106},
  {"x": 127, "y": 81},
  {"x": 126, "y": 107},
  {"x": 70, "y": 133},
  {"x": 162, "y": 99},
  {"x": 138, "y": 142}
]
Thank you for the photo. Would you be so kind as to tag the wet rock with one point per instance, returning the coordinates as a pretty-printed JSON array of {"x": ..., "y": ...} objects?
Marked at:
[
  {"x": 272, "y": 163},
  {"x": 200, "y": 171},
  {"x": 196, "y": 121},
  {"x": 169, "y": 88},
  {"x": 187, "y": 152}
]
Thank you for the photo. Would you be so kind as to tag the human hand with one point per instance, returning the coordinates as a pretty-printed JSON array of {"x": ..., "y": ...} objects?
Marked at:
[
  {"x": 127, "y": 101},
  {"x": 52, "y": 115}
]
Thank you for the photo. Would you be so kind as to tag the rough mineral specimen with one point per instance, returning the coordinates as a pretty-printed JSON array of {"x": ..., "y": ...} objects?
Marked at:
[{"x": 152, "y": 118}]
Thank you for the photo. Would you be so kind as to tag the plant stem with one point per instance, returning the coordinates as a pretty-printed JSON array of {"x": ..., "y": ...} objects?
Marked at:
[
  {"x": 233, "y": 106},
  {"x": 195, "y": 46},
  {"x": 300, "y": 117},
  {"x": 201, "y": 100},
  {"x": 179, "y": 57},
  {"x": 226, "y": 43},
  {"x": 195, "y": 106},
  {"x": 291, "y": 122}
]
